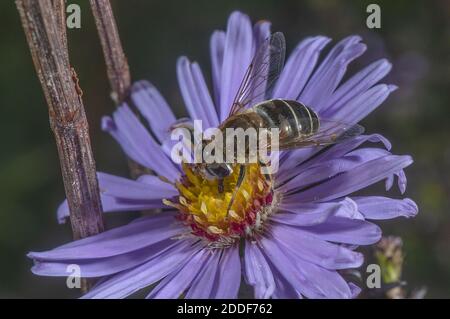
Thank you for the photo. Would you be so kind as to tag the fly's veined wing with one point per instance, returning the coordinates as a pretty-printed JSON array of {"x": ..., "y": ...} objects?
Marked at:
[
  {"x": 330, "y": 132},
  {"x": 262, "y": 73}
]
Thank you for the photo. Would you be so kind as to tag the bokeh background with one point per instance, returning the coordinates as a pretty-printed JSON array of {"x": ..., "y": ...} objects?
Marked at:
[{"x": 415, "y": 37}]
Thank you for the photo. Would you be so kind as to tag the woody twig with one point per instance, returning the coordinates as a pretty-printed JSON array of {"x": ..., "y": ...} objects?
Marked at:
[{"x": 44, "y": 25}]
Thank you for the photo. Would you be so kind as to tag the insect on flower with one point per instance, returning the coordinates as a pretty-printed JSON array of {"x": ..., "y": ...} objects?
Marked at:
[
  {"x": 290, "y": 233},
  {"x": 297, "y": 124}
]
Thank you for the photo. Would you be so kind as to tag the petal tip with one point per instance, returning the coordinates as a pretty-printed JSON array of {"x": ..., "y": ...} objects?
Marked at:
[{"x": 107, "y": 124}]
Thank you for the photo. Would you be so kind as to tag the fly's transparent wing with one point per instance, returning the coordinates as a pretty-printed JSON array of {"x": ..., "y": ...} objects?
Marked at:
[
  {"x": 330, "y": 132},
  {"x": 261, "y": 75}
]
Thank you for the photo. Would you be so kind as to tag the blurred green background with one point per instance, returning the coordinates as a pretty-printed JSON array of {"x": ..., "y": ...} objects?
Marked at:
[{"x": 415, "y": 37}]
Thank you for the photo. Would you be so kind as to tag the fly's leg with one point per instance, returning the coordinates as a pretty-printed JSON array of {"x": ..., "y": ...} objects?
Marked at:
[
  {"x": 238, "y": 185},
  {"x": 220, "y": 186}
]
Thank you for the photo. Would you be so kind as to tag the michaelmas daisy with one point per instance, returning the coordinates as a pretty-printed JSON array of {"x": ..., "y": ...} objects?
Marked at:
[{"x": 288, "y": 236}]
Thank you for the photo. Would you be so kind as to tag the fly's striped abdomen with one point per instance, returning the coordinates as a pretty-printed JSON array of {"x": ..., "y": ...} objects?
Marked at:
[{"x": 294, "y": 119}]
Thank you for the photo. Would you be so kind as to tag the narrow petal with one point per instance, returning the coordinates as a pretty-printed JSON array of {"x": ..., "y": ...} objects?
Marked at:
[
  {"x": 358, "y": 84},
  {"x": 389, "y": 182},
  {"x": 137, "y": 142},
  {"x": 153, "y": 108},
  {"x": 329, "y": 282},
  {"x": 229, "y": 275},
  {"x": 346, "y": 231},
  {"x": 378, "y": 207},
  {"x": 112, "y": 204},
  {"x": 138, "y": 234},
  {"x": 355, "y": 179},
  {"x": 304, "y": 157},
  {"x": 308, "y": 247},
  {"x": 324, "y": 170},
  {"x": 237, "y": 57},
  {"x": 120, "y": 187},
  {"x": 195, "y": 93},
  {"x": 283, "y": 289},
  {"x": 98, "y": 267},
  {"x": 360, "y": 106},
  {"x": 352, "y": 212},
  {"x": 355, "y": 290},
  {"x": 257, "y": 272},
  {"x": 289, "y": 270},
  {"x": 131, "y": 281},
  {"x": 203, "y": 285},
  {"x": 309, "y": 279},
  {"x": 122, "y": 194},
  {"x": 217, "y": 48},
  {"x": 330, "y": 72},
  {"x": 174, "y": 285},
  {"x": 307, "y": 214},
  {"x": 402, "y": 181},
  {"x": 299, "y": 67},
  {"x": 344, "y": 148}
]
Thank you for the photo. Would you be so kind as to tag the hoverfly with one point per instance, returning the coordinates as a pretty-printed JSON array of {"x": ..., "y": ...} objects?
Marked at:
[{"x": 299, "y": 126}]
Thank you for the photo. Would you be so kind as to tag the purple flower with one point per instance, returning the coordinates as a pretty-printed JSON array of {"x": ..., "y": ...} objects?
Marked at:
[{"x": 298, "y": 231}]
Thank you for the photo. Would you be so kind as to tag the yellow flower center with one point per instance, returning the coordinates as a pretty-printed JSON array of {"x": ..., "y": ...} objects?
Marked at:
[{"x": 204, "y": 206}]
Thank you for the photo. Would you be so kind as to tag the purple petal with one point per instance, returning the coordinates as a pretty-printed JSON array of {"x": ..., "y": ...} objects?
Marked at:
[
  {"x": 217, "y": 47},
  {"x": 298, "y": 158},
  {"x": 358, "y": 84},
  {"x": 97, "y": 267},
  {"x": 203, "y": 285},
  {"x": 122, "y": 194},
  {"x": 287, "y": 268},
  {"x": 346, "y": 231},
  {"x": 229, "y": 274},
  {"x": 324, "y": 170},
  {"x": 257, "y": 272},
  {"x": 344, "y": 148},
  {"x": 306, "y": 214},
  {"x": 352, "y": 212},
  {"x": 330, "y": 72},
  {"x": 138, "y": 143},
  {"x": 389, "y": 182},
  {"x": 299, "y": 67},
  {"x": 172, "y": 286},
  {"x": 139, "y": 234},
  {"x": 355, "y": 290},
  {"x": 120, "y": 187},
  {"x": 308, "y": 247},
  {"x": 195, "y": 93},
  {"x": 360, "y": 106},
  {"x": 402, "y": 181},
  {"x": 131, "y": 281},
  {"x": 378, "y": 207},
  {"x": 153, "y": 107},
  {"x": 311, "y": 280},
  {"x": 111, "y": 204},
  {"x": 283, "y": 289},
  {"x": 238, "y": 54},
  {"x": 355, "y": 179}
]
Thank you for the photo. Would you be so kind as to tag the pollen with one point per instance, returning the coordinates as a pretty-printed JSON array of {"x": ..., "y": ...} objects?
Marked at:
[{"x": 205, "y": 207}]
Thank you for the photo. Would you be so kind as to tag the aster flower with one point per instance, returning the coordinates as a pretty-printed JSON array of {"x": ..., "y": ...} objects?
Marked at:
[{"x": 289, "y": 238}]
